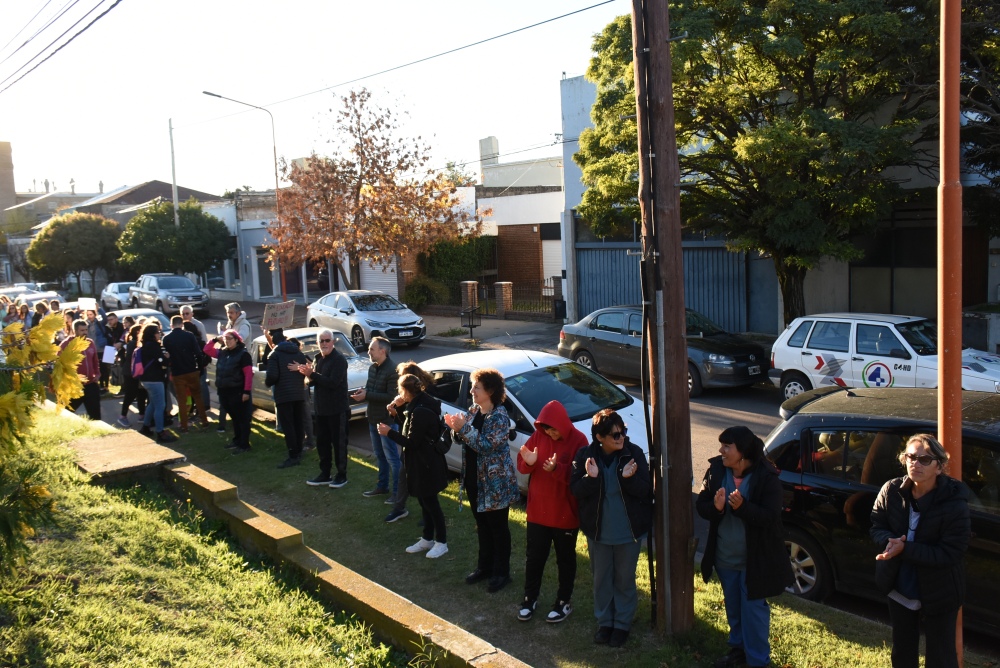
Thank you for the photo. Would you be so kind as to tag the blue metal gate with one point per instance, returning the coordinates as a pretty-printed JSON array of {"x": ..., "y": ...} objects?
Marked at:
[{"x": 714, "y": 280}]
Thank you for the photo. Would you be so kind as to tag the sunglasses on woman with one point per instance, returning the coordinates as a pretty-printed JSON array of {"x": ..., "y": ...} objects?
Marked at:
[
  {"x": 618, "y": 434},
  {"x": 923, "y": 460}
]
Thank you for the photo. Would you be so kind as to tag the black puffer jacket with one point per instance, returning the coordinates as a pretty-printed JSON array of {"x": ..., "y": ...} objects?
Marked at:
[
  {"x": 938, "y": 546},
  {"x": 330, "y": 380},
  {"x": 288, "y": 385},
  {"x": 426, "y": 469},
  {"x": 229, "y": 365},
  {"x": 637, "y": 490},
  {"x": 768, "y": 569}
]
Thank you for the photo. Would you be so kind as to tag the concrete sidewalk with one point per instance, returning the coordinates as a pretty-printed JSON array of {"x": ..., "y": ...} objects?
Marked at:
[{"x": 493, "y": 333}]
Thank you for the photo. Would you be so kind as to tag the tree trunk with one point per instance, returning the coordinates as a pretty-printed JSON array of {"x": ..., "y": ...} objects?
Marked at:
[{"x": 792, "y": 282}]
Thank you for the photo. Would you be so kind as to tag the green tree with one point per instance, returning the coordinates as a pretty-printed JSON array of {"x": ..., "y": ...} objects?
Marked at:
[
  {"x": 152, "y": 242},
  {"x": 74, "y": 243},
  {"x": 787, "y": 116},
  {"x": 981, "y": 100}
]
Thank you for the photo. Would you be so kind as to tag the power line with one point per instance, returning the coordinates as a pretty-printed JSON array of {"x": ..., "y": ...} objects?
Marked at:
[
  {"x": 11, "y": 40},
  {"x": 58, "y": 15},
  {"x": 412, "y": 62},
  {"x": 63, "y": 45}
]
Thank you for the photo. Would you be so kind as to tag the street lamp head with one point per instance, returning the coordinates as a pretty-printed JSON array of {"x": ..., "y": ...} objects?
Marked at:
[{"x": 212, "y": 94}]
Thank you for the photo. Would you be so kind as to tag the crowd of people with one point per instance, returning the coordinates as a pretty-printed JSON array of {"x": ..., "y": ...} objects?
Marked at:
[{"x": 601, "y": 486}]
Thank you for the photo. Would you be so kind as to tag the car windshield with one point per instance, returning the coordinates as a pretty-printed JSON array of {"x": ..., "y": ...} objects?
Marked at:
[
  {"x": 376, "y": 303},
  {"x": 699, "y": 325},
  {"x": 175, "y": 283},
  {"x": 576, "y": 387},
  {"x": 921, "y": 335}
]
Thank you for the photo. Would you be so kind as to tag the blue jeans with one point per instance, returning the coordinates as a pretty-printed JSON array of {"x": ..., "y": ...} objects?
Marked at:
[
  {"x": 615, "y": 596},
  {"x": 749, "y": 620},
  {"x": 154, "y": 408},
  {"x": 387, "y": 455}
]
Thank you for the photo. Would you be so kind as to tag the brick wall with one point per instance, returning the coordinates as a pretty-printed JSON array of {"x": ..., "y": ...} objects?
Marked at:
[{"x": 519, "y": 253}]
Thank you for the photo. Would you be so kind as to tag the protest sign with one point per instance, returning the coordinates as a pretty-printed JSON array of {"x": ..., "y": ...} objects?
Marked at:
[{"x": 278, "y": 315}]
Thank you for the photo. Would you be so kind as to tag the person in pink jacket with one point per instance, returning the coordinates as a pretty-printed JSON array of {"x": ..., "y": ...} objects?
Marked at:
[{"x": 552, "y": 516}]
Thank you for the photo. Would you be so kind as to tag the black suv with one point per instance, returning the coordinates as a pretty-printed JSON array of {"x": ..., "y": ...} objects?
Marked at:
[{"x": 836, "y": 448}]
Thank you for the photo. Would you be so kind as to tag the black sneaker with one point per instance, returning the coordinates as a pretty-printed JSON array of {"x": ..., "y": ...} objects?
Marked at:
[
  {"x": 339, "y": 482},
  {"x": 527, "y": 609},
  {"x": 477, "y": 575},
  {"x": 378, "y": 491},
  {"x": 396, "y": 515},
  {"x": 232, "y": 445},
  {"x": 240, "y": 451},
  {"x": 734, "y": 657},
  {"x": 165, "y": 437},
  {"x": 603, "y": 635},
  {"x": 560, "y": 611},
  {"x": 618, "y": 638},
  {"x": 320, "y": 480},
  {"x": 146, "y": 431},
  {"x": 498, "y": 582},
  {"x": 290, "y": 462}
]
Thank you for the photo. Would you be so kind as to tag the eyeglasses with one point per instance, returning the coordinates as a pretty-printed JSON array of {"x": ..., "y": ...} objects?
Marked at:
[
  {"x": 325, "y": 340},
  {"x": 617, "y": 434},
  {"x": 923, "y": 460}
]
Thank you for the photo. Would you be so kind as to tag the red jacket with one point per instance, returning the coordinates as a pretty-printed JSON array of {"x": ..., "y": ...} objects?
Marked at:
[
  {"x": 550, "y": 501},
  {"x": 90, "y": 366}
]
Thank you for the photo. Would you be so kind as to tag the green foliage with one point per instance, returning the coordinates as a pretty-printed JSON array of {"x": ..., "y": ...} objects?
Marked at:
[
  {"x": 981, "y": 97},
  {"x": 74, "y": 243},
  {"x": 787, "y": 117},
  {"x": 460, "y": 260},
  {"x": 423, "y": 290},
  {"x": 152, "y": 242}
]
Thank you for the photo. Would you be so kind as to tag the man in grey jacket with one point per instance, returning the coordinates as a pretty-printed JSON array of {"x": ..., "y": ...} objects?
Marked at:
[
  {"x": 289, "y": 393},
  {"x": 379, "y": 391}
]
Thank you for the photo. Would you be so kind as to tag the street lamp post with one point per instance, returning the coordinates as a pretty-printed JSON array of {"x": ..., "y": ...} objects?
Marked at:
[{"x": 274, "y": 148}]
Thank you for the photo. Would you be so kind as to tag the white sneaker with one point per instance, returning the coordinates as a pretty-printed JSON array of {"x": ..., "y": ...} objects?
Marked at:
[
  {"x": 438, "y": 550},
  {"x": 420, "y": 546}
]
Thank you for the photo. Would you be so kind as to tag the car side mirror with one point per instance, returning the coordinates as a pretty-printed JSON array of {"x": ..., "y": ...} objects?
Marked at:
[{"x": 899, "y": 353}]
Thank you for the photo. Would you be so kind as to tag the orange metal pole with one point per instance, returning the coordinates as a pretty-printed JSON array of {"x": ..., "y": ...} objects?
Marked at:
[{"x": 949, "y": 269}]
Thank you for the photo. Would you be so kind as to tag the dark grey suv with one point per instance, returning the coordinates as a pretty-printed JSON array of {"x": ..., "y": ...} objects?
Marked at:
[
  {"x": 837, "y": 447},
  {"x": 609, "y": 340}
]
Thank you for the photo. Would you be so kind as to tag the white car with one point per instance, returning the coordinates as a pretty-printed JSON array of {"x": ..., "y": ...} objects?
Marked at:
[
  {"x": 533, "y": 379},
  {"x": 362, "y": 314},
  {"x": 869, "y": 350},
  {"x": 115, "y": 295}
]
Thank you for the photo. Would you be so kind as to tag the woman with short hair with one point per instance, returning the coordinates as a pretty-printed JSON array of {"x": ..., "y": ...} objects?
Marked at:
[
  {"x": 487, "y": 475},
  {"x": 921, "y": 523},
  {"x": 610, "y": 480}
]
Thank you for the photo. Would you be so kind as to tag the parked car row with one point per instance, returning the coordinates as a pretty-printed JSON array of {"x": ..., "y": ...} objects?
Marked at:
[{"x": 363, "y": 314}]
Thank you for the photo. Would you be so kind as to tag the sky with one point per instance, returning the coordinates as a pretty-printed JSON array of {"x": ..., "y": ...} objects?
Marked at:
[{"x": 100, "y": 109}]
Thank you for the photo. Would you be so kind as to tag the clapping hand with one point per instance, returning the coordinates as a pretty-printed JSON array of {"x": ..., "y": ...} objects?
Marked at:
[
  {"x": 629, "y": 469},
  {"x": 529, "y": 456},
  {"x": 893, "y": 548},
  {"x": 735, "y": 499},
  {"x": 720, "y": 499},
  {"x": 550, "y": 463},
  {"x": 455, "y": 420},
  {"x": 591, "y": 467}
]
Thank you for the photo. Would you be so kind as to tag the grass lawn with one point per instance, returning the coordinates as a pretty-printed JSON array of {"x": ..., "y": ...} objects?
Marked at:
[{"x": 135, "y": 577}]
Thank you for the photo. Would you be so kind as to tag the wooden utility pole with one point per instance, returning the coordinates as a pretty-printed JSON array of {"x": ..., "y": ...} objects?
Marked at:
[{"x": 665, "y": 321}]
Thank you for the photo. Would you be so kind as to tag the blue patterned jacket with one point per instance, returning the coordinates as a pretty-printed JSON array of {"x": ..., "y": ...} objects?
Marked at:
[{"x": 495, "y": 470}]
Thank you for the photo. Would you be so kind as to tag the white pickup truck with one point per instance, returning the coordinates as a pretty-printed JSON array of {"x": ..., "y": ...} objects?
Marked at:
[{"x": 869, "y": 350}]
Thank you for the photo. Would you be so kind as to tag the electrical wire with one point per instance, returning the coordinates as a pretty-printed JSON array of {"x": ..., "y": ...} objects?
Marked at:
[
  {"x": 17, "y": 34},
  {"x": 62, "y": 12},
  {"x": 63, "y": 45}
]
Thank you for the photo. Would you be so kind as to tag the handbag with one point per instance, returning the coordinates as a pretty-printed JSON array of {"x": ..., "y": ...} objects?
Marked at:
[
  {"x": 137, "y": 368},
  {"x": 117, "y": 373},
  {"x": 442, "y": 444}
]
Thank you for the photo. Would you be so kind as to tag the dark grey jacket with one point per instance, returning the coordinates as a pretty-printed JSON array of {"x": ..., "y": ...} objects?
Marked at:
[
  {"x": 183, "y": 348},
  {"x": 380, "y": 390},
  {"x": 288, "y": 385}
]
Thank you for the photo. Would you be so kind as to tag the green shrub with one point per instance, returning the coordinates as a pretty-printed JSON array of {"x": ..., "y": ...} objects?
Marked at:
[
  {"x": 423, "y": 290},
  {"x": 454, "y": 261}
]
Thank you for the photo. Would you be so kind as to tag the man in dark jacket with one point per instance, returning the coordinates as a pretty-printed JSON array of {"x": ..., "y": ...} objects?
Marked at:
[
  {"x": 328, "y": 374},
  {"x": 379, "y": 391},
  {"x": 183, "y": 348},
  {"x": 289, "y": 393}
]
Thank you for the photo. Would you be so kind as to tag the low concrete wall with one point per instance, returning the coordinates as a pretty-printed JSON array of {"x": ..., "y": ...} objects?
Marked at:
[{"x": 394, "y": 619}]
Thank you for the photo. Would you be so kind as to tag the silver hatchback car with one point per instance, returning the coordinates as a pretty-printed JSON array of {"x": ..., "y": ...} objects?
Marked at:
[{"x": 362, "y": 314}]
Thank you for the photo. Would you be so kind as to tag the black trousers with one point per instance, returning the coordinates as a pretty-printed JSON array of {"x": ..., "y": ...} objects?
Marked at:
[
  {"x": 91, "y": 401},
  {"x": 231, "y": 401},
  {"x": 434, "y": 527},
  {"x": 493, "y": 531},
  {"x": 290, "y": 418},
  {"x": 540, "y": 539},
  {"x": 939, "y": 637},
  {"x": 134, "y": 391},
  {"x": 331, "y": 443}
]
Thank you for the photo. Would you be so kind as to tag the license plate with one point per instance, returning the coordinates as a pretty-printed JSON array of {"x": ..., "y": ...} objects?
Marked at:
[
  {"x": 405, "y": 333},
  {"x": 754, "y": 370}
]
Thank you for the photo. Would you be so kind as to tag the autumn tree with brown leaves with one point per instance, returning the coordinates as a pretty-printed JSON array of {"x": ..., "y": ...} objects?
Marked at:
[{"x": 371, "y": 202}]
